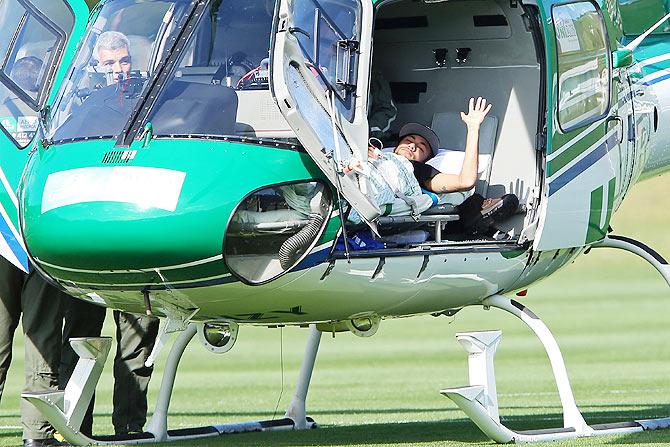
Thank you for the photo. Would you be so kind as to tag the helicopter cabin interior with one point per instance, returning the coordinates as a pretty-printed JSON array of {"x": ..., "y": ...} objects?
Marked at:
[{"x": 436, "y": 55}]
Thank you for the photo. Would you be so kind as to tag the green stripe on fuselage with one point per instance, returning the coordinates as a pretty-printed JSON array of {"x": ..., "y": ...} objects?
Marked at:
[
  {"x": 577, "y": 149},
  {"x": 595, "y": 231},
  {"x": 331, "y": 230},
  {"x": 7, "y": 203},
  {"x": 150, "y": 276}
]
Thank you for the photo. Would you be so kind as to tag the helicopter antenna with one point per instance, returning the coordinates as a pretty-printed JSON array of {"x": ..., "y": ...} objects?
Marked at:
[{"x": 638, "y": 40}]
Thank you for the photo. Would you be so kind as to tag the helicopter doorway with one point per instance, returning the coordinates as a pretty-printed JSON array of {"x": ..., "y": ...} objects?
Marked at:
[{"x": 434, "y": 57}]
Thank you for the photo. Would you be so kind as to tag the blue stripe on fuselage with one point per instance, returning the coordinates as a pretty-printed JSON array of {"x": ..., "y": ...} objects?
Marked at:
[
  {"x": 583, "y": 164},
  {"x": 310, "y": 261},
  {"x": 14, "y": 245},
  {"x": 657, "y": 80}
]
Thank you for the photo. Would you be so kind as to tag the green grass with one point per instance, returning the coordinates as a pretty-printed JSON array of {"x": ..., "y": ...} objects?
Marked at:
[{"x": 609, "y": 312}]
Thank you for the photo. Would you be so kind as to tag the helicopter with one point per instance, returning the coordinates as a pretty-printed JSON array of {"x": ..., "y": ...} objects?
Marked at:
[{"x": 204, "y": 183}]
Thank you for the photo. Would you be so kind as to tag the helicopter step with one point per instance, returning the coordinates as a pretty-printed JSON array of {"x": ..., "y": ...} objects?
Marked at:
[
  {"x": 480, "y": 402},
  {"x": 65, "y": 409}
]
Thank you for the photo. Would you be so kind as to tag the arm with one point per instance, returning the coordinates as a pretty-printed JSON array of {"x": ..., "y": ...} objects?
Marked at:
[
  {"x": 468, "y": 176},
  {"x": 373, "y": 154}
]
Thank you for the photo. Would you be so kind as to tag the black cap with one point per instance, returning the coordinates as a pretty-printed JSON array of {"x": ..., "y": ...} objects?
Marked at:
[{"x": 423, "y": 131}]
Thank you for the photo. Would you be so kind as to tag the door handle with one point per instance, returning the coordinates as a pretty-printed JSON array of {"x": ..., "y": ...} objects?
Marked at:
[
  {"x": 295, "y": 29},
  {"x": 619, "y": 121}
]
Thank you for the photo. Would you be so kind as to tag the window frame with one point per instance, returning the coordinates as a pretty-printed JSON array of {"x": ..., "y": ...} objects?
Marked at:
[
  {"x": 50, "y": 66},
  {"x": 327, "y": 218},
  {"x": 346, "y": 98},
  {"x": 608, "y": 57}
]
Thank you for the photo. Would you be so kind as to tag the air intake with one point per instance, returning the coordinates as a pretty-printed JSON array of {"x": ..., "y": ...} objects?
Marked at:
[{"x": 118, "y": 157}]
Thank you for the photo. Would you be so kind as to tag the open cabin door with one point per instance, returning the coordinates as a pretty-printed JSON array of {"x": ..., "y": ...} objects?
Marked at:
[
  {"x": 37, "y": 41},
  {"x": 584, "y": 132},
  {"x": 319, "y": 78}
]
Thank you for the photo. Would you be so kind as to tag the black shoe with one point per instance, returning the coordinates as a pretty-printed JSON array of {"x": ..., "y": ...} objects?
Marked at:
[
  {"x": 48, "y": 442},
  {"x": 500, "y": 208}
]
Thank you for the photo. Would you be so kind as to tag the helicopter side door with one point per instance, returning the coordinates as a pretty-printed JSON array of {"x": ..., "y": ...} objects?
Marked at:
[
  {"x": 320, "y": 75},
  {"x": 37, "y": 41},
  {"x": 582, "y": 164}
]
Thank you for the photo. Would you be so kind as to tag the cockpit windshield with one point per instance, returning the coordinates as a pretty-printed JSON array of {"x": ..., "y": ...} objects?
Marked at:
[
  {"x": 219, "y": 86},
  {"x": 119, "y": 52}
]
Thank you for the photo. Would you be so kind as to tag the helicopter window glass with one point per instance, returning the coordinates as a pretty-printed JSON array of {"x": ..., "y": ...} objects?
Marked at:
[
  {"x": 11, "y": 13},
  {"x": 29, "y": 43},
  {"x": 57, "y": 11},
  {"x": 583, "y": 64},
  {"x": 328, "y": 36},
  {"x": 220, "y": 86},
  {"x": 31, "y": 55},
  {"x": 274, "y": 229},
  {"x": 120, "y": 50}
]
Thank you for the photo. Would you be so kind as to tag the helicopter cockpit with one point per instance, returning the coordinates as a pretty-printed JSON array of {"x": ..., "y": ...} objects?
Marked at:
[{"x": 216, "y": 88}]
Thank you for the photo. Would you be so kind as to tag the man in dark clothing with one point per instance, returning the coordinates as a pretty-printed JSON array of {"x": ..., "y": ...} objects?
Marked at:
[{"x": 38, "y": 304}]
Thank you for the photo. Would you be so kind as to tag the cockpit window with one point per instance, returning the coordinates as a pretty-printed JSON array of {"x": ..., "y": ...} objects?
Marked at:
[
  {"x": 119, "y": 52},
  {"x": 29, "y": 43},
  {"x": 221, "y": 86}
]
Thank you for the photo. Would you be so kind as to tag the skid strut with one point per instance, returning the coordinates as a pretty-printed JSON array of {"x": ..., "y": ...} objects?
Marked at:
[
  {"x": 480, "y": 402},
  {"x": 638, "y": 248},
  {"x": 65, "y": 409}
]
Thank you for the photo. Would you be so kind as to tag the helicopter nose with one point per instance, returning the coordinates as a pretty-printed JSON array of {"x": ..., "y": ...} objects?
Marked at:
[
  {"x": 209, "y": 214},
  {"x": 118, "y": 218}
]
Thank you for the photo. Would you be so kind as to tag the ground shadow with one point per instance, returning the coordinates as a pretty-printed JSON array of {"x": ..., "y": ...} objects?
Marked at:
[{"x": 458, "y": 430}]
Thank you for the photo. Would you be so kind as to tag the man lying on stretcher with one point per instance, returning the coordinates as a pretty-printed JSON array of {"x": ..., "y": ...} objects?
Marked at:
[{"x": 403, "y": 172}]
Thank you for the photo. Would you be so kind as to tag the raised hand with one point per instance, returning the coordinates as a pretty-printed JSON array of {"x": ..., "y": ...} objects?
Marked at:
[{"x": 476, "y": 112}]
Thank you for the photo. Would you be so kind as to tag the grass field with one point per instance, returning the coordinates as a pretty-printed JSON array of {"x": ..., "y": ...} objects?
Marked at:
[{"x": 609, "y": 312}]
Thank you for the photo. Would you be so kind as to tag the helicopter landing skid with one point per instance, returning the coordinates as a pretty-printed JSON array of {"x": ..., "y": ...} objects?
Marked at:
[
  {"x": 638, "y": 248},
  {"x": 65, "y": 410},
  {"x": 479, "y": 400}
]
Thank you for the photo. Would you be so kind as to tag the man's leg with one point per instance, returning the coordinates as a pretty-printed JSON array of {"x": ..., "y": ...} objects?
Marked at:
[
  {"x": 42, "y": 325},
  {"x": 82, "y": 319},
  {"x": 135, "y": 338},
  {"x": 11, "y": 283}
]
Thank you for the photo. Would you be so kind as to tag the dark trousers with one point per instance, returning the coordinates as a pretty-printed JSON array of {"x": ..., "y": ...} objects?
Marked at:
[
  {"x": 135, "y": 338},
  {"x": 38, "y": 304},
  {"x": 82, "y": 319}
]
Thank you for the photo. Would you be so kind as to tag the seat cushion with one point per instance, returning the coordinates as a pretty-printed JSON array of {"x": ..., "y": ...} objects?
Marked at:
[
  {"x": 451, "y": 161},
  {"x": 452, "y": 132}
]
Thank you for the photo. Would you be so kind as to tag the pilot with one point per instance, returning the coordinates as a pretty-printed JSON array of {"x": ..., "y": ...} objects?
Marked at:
[
  {"x": 112, "y": 51},
  {"x": 105, "y": 110}
]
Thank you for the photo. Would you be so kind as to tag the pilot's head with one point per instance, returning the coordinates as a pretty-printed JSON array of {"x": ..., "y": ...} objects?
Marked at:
[
  {"x": 112, "y": 50},
  {"x": 417, "y": 142},
  {"x": 26, "y": 72}
]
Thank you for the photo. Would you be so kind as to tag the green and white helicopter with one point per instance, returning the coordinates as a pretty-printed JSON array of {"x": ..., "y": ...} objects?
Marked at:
[{"x": 205, "y": 184}]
